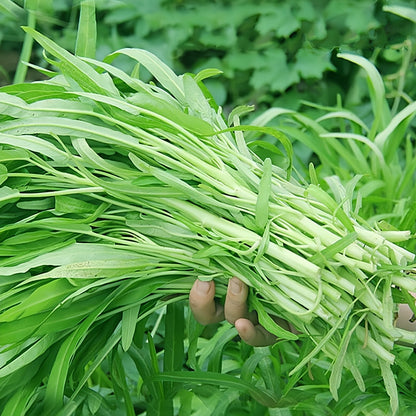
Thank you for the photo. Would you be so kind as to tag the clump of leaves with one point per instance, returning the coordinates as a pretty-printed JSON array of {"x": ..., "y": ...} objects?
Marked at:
[
  {"x": 370, "y": 161},
  {"x": 118, "y": 193}
]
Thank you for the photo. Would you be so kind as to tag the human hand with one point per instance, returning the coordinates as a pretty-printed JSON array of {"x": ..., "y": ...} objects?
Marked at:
[
  {"x": 405, "y": 316},
  {"x": 207, "y": 311}
]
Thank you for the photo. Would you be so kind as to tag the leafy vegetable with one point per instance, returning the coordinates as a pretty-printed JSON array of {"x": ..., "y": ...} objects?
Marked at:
[{"x": 119, "y": 197}]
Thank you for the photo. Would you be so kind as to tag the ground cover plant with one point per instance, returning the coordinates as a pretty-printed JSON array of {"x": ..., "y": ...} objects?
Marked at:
[{"x": 118, "y": 193}]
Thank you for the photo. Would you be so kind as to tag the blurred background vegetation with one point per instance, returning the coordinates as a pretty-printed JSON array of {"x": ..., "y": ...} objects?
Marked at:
[{"x": 272, "y": 53}]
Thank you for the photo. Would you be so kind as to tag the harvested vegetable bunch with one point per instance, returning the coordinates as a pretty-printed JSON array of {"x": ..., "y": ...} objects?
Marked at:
[{"x": 117, "y": 193}]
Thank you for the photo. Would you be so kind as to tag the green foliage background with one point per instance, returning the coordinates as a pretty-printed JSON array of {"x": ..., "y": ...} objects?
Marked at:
[{"x": 272, "y": 53}]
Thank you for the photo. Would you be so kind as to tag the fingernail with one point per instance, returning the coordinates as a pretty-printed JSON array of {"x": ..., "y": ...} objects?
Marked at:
[
  {"x": 235, "y": 286},
  {"x": 202, "y": 287}
]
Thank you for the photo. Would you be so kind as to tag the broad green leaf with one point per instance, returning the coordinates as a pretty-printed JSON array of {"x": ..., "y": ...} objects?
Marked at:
[
  {"x": 94, "y": 401},
  {"x": 13, "y": 154},
  {"x": 197, "y": 103},
  {"x": 36, "y": 204},
  {"x": 8, "y": 195},
  {"x": 312, "y": 63},
  {"x": 33, "y": 92},
  {"x": 68, "y": 204}
]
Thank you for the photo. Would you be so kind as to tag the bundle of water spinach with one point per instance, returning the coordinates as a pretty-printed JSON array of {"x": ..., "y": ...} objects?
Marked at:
[{"x": 117, "y": 194}]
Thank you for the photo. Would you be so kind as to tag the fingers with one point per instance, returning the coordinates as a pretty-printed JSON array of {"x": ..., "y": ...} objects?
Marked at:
[
  {"x": 235, "y": 311},
  {"x": 405, "y": 318},
  {"x": 236, "y": 300},
  {"x": 202, "y": 303},
  {"x": 254, "y": 335}
]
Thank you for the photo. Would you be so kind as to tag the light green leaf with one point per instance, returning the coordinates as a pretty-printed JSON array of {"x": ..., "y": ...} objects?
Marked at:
[
  {"x": 380, "y": 106},
  {"x": 207, "y": 73},
  {"x": 68, "y": 204},
  {"x": 168, "y": 111},
  {"x": 58, "y": 376},
  {"x": 7, "y": 194},
  {"x": 75, "y": 253},
  {"x": 80, "y": 71},
  {"x": 281, "y": 137},
  {"x": 32, "y": 143},
  {"x": 402, "y": 11},
  {"x": 174, "y": 337},
  {"x": 157, "y": 68},
  {"x": 87, "y": 30},
  {"x": 31, "y": 354},
  {"x": 128, "y": 326},
  {"x": 263, "y": 196},
  {"x": 11, "y": 9},
  {"x": 389, "y": 139},
  {"x": 267, "y": 322},
  {"x": 47, "y": 296}
]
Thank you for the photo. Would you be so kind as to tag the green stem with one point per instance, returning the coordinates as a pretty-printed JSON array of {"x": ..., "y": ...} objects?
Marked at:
[
  {"x": 26, "y": 52},
  {"x": 231, "y": 229}
]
